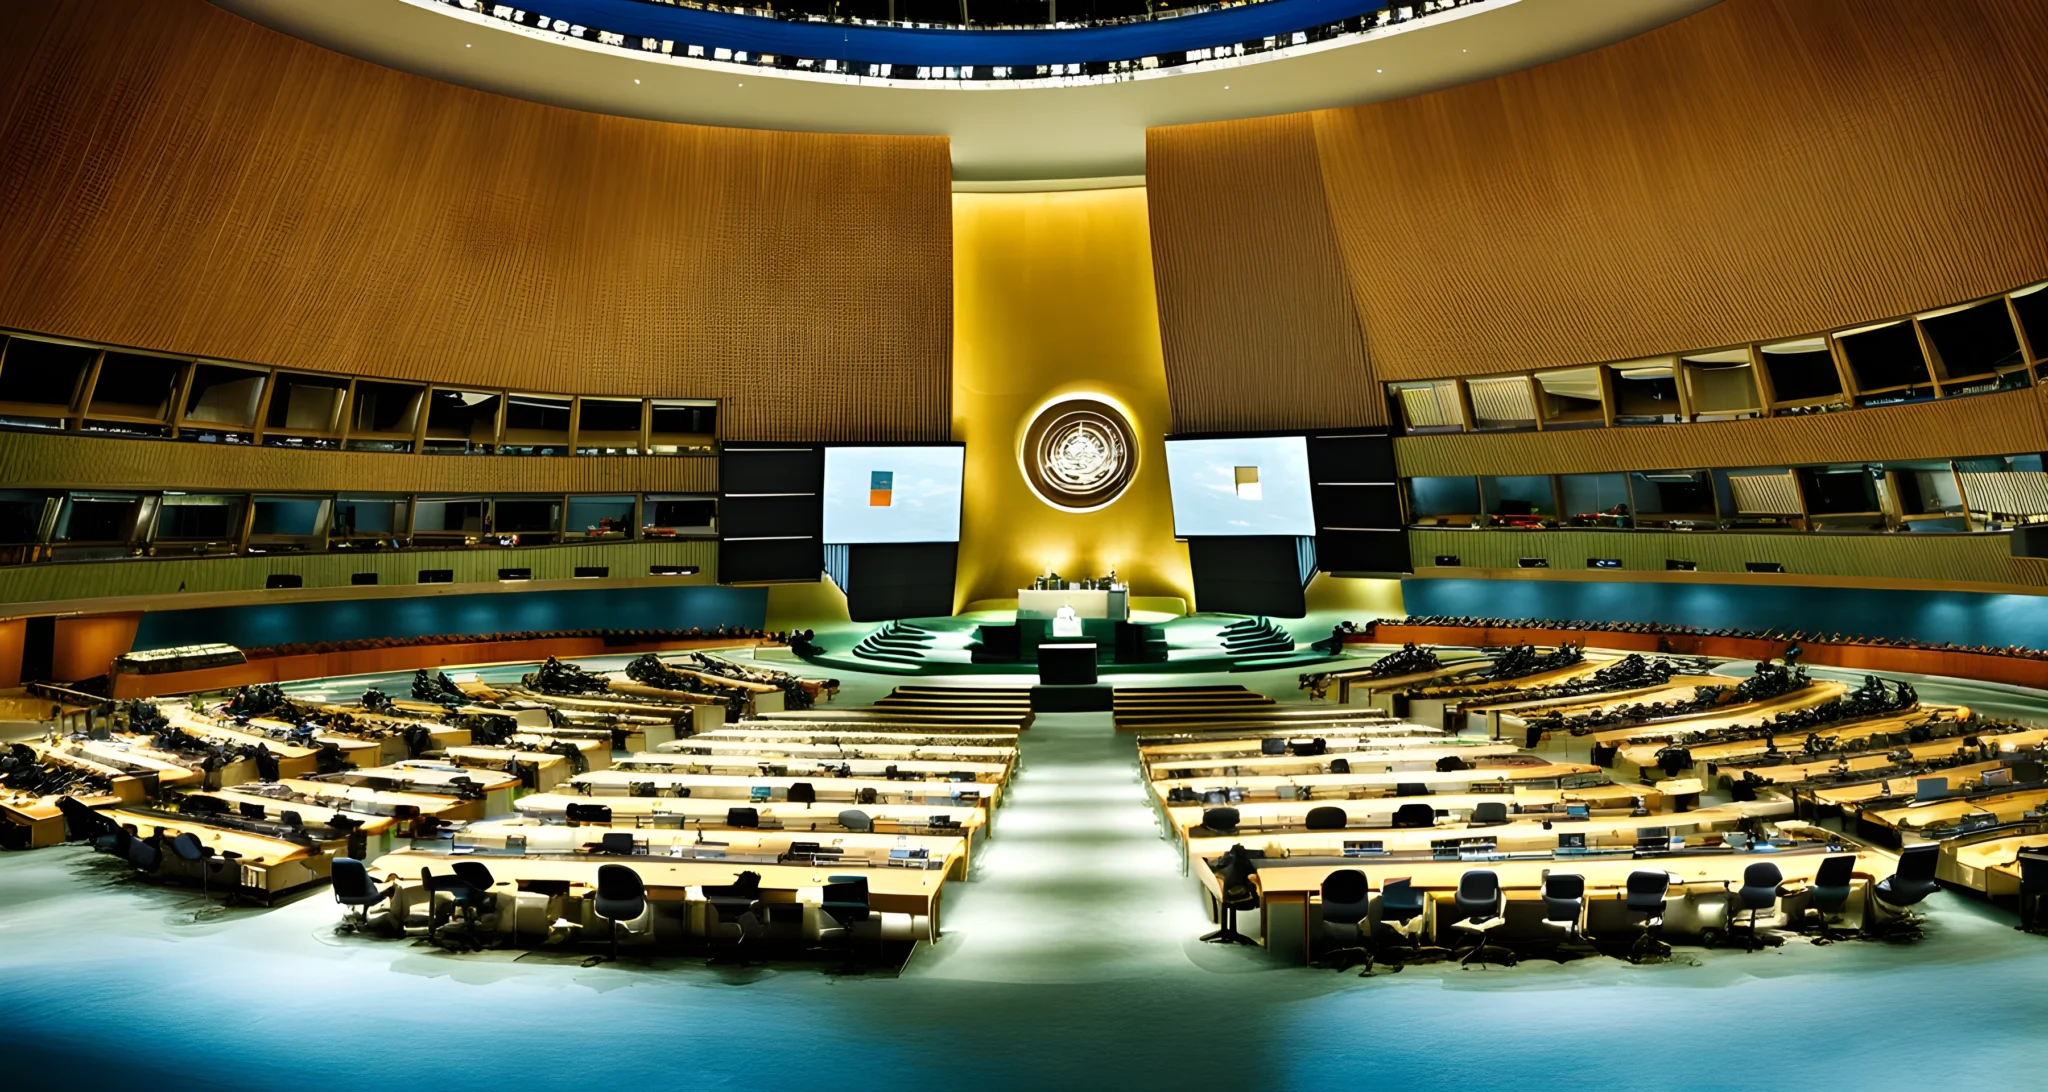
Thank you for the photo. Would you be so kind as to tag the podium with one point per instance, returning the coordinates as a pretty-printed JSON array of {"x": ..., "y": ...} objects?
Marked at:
[
  {"x": 1067, "y": 663},
  {"x": 1034, "y": 604}
]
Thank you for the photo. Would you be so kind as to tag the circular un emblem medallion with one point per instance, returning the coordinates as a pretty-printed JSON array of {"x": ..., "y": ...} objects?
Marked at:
[{"x": 1079, "y": 454}]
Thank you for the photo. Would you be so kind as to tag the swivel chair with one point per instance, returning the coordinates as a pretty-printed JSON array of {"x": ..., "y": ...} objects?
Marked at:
[
  {"x": 1762, "y": 884},
  {"x": 188, "y": 848},
  {"x": 621, "y": 897},
  {"x": 1401, "y": 913},
  {"x": 803, "y": 792},
  {"x": 1340, "y": 765},
  {"x": 743, "y": 818},
  {"x": 844, "y": 915},
  {"x": 477, "y": 896},
  {"x": 1489, "y": 813},
  {"x": 1414, "y": 817},
  {"x": 1564, "y": 909},
  {"x": 1644, "y": 903},
  {"x": 1910, "y": 883},
  {"x": 617, "y": 843},
  {"x": 1220, "y": 820},
  {"x": 1326, "y": 818},
  {"x": 1347, "y": 905},
  {"x": 1829, "y": 894},
  {"x": 352, "y": 888},
  {"x": 144, "y": 856},
  {"x": 1482, "y": 907},
  {"x": 1273, "y": 745},
  {"x": 856, "y": 821},
  {"x": 734, "y": 915}
]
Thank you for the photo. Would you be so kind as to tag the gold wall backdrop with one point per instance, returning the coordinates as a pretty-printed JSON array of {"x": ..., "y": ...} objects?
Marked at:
[
  {"x": 1053, "y": 296},
  {"x": 1763, "y": 168},
  {"x": 176, "y": 178}
]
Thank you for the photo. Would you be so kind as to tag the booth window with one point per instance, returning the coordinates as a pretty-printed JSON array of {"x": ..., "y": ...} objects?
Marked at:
[
  {"x": 535, "y": 425},
  {"x": 527, "y": 521},
  {"x": 462, "y": 422},
  {"x": 287, "y": 524},
  {"x": 1595, "y": 500},
  {"x": 382, "y": 416},
  {"x": 95, "y": 526},
  {"x": 305, "y": 411},
  {"x": 221, "y": 403},
  {"x": 1443, "y": 502},
  {"x": 450, "y": 521},
  {"x": 1522, "y": 500},
  {"x": 133, "y": 394},
  {"x": 23, "y": 514},
  {"x": 198, "y": 523},
  {"x": 40, "y": 381},
  {"x": 369, "y": 523},
  {"x": 608, "y": 426},
  {"x": 600, "y": 518},
  {"x": 679, "y": 515},
  {"x": 678, "y": 425},
  {"x": 1802, "y": 375}
]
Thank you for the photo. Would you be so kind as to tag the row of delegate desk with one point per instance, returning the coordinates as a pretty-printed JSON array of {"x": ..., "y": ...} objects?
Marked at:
[
  {"x": 805, "y": 823},
  {"x": 1395, "y": 814}
]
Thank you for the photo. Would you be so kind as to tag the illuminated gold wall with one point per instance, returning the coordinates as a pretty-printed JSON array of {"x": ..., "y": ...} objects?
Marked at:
[{"x": 1053, "y": 295}]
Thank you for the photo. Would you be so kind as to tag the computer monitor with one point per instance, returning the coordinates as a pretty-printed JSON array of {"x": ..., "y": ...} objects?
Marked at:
[
  {"x": 1930, "y": 788},
  {"x": 1363, "y": 848},
  {"x": 1575, "y": 840},
  {"x": 1998, "y": 778},
  {"x": 1445, "y": 847},
  {"x": 1578, "y": 811},
  {"x": 1653, "y": 838}
]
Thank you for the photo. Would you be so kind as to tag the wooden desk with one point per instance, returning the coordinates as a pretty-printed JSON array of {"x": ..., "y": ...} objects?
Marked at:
[
  {"x": 437, "y": 779},
  {"x": 890, "y": 890},
  {"x": 862, "y": 850},
  {"x": 292, "y": 759},
  {"x": 1361, "y": 761},
  {"x": 829, "y": 736},
  {"x": 1256, "y": 817},
  {"x": 1987, "y": 863},
  {"x": 1821, "y": 765},
  {"x": 1521, "y": 835},
  {"x": 1379, "y": 691},
  {"x": 707, "y": 813},
  {"x": 1906, "y": 818},
  {"x": 785, "y": 750},
  {"x": 268, "y": 867},
  {"x": 738, "y": 790},
  {"x": 1511, "y": 717},
  {"x": 984, "y": 772},
  {"x": 1645, "y": 754},
  {"x": 1818, "y": 692},
  {"x": 1330, "y": 785},
  {"x": 549, "y": 769}
]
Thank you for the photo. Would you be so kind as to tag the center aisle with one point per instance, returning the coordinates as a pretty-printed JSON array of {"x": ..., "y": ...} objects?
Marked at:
[{"x": 1077, "y": 885}]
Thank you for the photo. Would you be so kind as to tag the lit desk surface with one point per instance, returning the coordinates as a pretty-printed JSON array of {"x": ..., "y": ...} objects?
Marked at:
[
  {"x": 312, "y": 810},
  {"x": 890, "y": 890},
  {"x": 254, "y": 848},
  {"x": 1521, "y": 834},
  {"x": 1280, "y": 880},
  {"x": 1254, "y": 816},
  {"x": 1645, "y": 754},
  {"x": 1876, "y": 759},
  {"x": 1340, "y": 739},
  {"x": 1033, "y": 603},
  {"x": 1168, "y": 769},
  {"x": 850, "y": 735},
  {"x": 1819, "y": 692},
  {"x": 786, "y": 749},
  {"x": 1902, "y": 787},
  {"x": 984, "y": 772},
  {"x": 790, "y": 816},
  {"x": 899, "y": 720},
  {"x": 2006, "y": 806},
  {"x": 863, "y": 850},
  {"x": 1270, "y": 720},
  {"x": 1338, "y": 783},
  {"x": 620, "y": 781},
  {"x": 1679, "y": 687},
  {"x": 290, "y": 755},
  {"x": 352, "y": 798},
  {"x": 1362, "y": 678},
  {"x": 1455, "y": 690},
  {"x": 127, "y": 754}
]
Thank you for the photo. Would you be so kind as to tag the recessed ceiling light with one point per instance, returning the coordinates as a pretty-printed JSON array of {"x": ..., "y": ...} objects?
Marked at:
[
  {"x": 465, "y": 45},
  {"x": 742, "y": 83},
  {"x": 1226, "y": 87},
  {"x": 636, "y": 81},
  {"x": 1379, "y": 70}
]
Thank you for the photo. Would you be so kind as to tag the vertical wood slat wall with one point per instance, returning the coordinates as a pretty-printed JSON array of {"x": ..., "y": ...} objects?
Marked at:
[
  {"x": 1762, "y": 169},
  {"x": 176, "y": 178},
  {"x": 1254, "y": 310}
]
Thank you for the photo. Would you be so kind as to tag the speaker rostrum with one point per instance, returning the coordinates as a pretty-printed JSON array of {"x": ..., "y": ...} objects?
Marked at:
[{"x": 1079, "y": 454}]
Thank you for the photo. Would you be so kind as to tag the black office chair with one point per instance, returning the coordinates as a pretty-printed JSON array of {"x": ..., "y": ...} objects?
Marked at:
[
  {"x": 2033, "y": 889},
  {"x": 618, "y": 843},
  {"x": 1644, "y": 903},
  {"x": 143, "y": 856},
  {"x": 1482, "y": 907},
  {"x": 1411, "y": 788},
  {"x": 1489, "y": 813},
  {"x": 1910, "y": 883},
  {"x": 802, "y": 792},
  {"x": 1347, "y": 905},
  {"x": 844, "y": 913},
  {"x": 1401, "y": 909},
  {"x": 596, "y": 815},
  {"x": 1340, "y": 765},
  {"x": 1414, "y": 816},
  {"x": 478, "y": 895},
  {"x": 352, "y": 888},
  {"x": 249, "y": 809},
  {"x": 1273, "y": 745},
  {"x": 735, "y": 915},
  {"x": 1762, "y": 884},
  {"x": 621, "y": 897},
  {"x": 1326, "y": 818},
  {"x": 1220, "y": 820},
  {"x": 743, "y": 818},
  {"x": 188, "y": 848},
  {"x": 1564, "y": 908},
  {"x": 1829, "y": 895},
  {"x": 858, "y": 821}
]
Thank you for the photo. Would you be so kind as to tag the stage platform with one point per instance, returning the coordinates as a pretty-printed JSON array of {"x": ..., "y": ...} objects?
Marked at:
[{"x": 1153, "y": 643}]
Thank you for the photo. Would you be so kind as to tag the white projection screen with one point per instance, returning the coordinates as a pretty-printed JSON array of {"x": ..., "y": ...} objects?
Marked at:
[
  {"x": 892, "y": 494},
  {"x": 1252, "y": 485}
]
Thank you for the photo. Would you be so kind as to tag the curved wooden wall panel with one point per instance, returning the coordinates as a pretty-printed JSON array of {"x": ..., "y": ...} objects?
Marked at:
[
  {"x": 1254, "y": 308},
  {"x": 1764, "y": 168},
  {"x": 174, "y": 177},
  {"x": 83, "y": 462},
  {"x": 1983, "y": 562},
  {"x": 2007, "y": 423}
]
